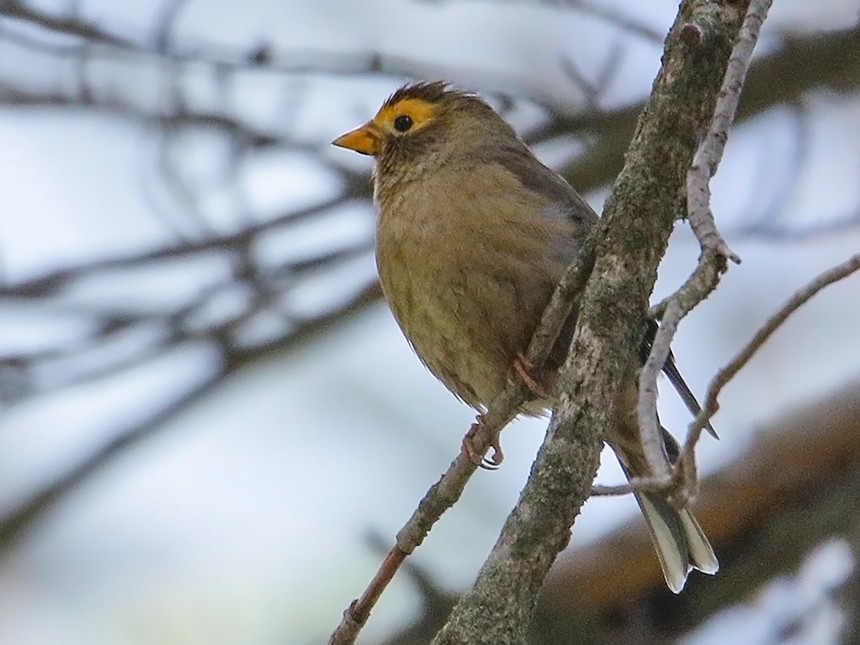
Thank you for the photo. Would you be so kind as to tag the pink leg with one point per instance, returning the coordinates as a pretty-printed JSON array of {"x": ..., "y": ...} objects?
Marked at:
[
  {"x": 468, "y": 448},
  {"x": 524, "y": 371}
]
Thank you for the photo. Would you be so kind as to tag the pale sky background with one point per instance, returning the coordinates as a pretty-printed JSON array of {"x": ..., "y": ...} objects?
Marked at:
[{"x": 244, "y": 520}]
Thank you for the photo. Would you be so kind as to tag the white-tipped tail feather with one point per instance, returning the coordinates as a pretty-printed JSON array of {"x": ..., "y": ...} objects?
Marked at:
[
  {"x": 678, "y": 539},
  {"x": 701, "y": 554}
]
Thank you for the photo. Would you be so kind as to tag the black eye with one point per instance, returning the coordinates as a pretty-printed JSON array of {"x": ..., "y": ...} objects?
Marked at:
[{"x": 403, "y": 123}]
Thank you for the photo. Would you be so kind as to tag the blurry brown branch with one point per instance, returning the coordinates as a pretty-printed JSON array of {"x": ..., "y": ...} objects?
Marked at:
[
  {"x": 18, "y": 520},
  {"x": 51, "y": 283},
  {"x": 608, "y": 14},
  {"x": 814, "y": 62},
  {"x": 67, "y": 25},
  {"x": 802, "y": 64},
  {"x": 269, "y": 285}
]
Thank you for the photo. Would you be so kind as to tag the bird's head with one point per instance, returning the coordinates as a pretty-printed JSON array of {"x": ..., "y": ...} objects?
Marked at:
[{"x": 423, "y": 120}]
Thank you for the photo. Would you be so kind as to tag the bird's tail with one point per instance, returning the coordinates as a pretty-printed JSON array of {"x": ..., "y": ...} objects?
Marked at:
[
  {"x": 679, "y": 540},
  {"x": 680, "y": 543}
]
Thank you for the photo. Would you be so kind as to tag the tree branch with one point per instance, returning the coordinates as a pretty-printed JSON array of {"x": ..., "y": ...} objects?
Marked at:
[
  {"x": 715, "y": 251},
  {"x": 24, "y": 515},
  {"x": 445, "y": 492},
  {"x": 638, "y": 220},
  {"x": 711, "y": 405},
  {"x": 793, "y": 485}
]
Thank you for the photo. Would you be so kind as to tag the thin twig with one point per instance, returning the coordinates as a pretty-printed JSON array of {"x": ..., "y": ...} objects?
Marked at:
[
  {"x": 715, "y": 251},
  {"x": 710, "y": 152},
  {"x": 633, "y": 485},
  {"x": 447, "y": 490},
  {"x": 711, "y": 405}
]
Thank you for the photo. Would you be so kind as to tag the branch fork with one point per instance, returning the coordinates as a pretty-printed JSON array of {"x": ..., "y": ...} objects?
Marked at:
[{"x": 713, "y": 260}]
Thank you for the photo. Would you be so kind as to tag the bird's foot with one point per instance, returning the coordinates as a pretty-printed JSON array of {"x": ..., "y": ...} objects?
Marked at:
[
  {"x": 468, "y": 449},
  {"x": 524, "y": 370}
]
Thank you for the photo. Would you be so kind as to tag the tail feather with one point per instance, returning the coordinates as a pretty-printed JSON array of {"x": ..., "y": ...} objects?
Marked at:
[
  {"x": 680, "y": 543},
  {"x": 701, "y": 553},
  {"x": 678, "y": 539}
]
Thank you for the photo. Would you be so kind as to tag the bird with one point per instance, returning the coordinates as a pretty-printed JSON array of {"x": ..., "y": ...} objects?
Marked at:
[{"x": 473, "y": 233}]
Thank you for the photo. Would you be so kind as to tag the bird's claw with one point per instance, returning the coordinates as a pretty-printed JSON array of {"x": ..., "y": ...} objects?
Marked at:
[
  {"x": 477, "y": 458},
  {"x": 524, "y": 370}
]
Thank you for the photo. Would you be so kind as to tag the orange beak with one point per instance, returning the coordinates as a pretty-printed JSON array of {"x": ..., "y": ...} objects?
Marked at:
[{"x": 364, "y": 139}]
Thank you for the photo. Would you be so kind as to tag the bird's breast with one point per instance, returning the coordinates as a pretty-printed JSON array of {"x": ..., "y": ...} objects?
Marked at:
[{"x": 467, "y": 279}]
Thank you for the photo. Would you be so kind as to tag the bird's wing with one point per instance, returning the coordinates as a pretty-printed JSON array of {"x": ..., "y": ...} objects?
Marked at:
[{"x": 561, "y": 199}]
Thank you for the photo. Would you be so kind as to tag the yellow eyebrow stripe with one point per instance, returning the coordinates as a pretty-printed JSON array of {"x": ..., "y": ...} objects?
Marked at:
[{"x": 420, "y": 110}]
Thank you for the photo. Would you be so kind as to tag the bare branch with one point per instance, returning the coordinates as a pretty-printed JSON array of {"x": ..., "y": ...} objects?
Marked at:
[
  {"x": 793, "y": 486},
  {"x": 51, "y": 282},
  {"x": 607, "y": 14},
  {"x": 633, "y": 485},
  {"x": 709, "y": 154},
  {"x": 726, "y": 374},
  {"x": 715, "y": 251},
  {"x": 615, "y": 17},
  {"x": 16, "y": 522}
]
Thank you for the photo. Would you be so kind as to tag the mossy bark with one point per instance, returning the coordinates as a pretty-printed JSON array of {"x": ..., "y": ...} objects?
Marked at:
[{"x": 647, "y": 199}]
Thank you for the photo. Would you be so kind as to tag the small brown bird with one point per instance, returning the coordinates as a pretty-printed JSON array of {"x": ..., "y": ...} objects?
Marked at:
[{"x": 472, "y": 237}]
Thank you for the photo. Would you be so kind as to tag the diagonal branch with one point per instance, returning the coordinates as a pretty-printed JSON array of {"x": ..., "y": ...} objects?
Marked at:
[
  {"x": 499, "y": 606},
  {"x": 35, "y": 507},
  {"x": 711, "y": 405},
  {"x": 73, "y": 26},
  {"x": 445, "y": 492}
]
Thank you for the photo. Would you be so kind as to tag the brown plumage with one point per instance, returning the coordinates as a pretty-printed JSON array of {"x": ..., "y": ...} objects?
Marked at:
[{"x": 473, "y": 235}]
